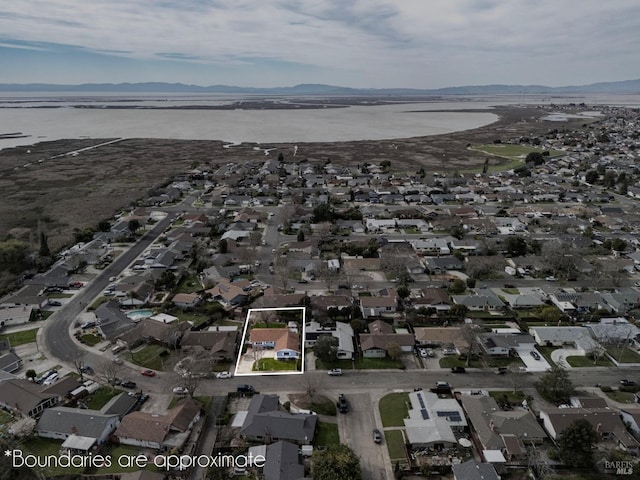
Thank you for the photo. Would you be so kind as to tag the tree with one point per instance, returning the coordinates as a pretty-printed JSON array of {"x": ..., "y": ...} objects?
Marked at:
[
  {"x": 337, "y": 462},
  {"x": 323, "y": 213},
  {"x": 403, "y": 292},
  {"x": 394, "y": 351},
  {"x": 535, "y": 157},
  {"x": 44, "y": 245},
  {"x": 555, "y": 385},
  {"x": 326, "y": 348},
  {"x": 31, "y": 374},
  {"x": 300, "y": 236},
  {"x": 108, "y": 370},
  {"x": 591, "y": 177},
  {"x": 576, "y": 444},
  {"x": 104, "y": 225},
  {"x": 457, "y": 287},
  {"x": 133, "y": 225},
  {"x": 223, "y": 246},
  {"x": 23, "y": 427},
  {"x": 516, "y": 246},
  {"x": 458, "y": 311}
]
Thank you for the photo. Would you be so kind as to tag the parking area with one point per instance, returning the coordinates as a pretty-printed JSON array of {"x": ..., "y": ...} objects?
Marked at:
[{"x": 531, "y": 363}]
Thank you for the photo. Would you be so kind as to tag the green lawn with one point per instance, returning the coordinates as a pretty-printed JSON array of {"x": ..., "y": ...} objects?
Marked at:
[
  {"x": 395, "y": 445},
  {"x": 20, "y": 338},
  {"x": 273, "y": 365},
  {"x": 45, "y": 446},
  {"x": 504, "y": 362},
  {"x": 628, "y": 356},
  {"x": 511, "y": 291},
  {"x": 580, "y": 361},
  {"x": 100, "y": 397},
  {"x": 511, "y": 152},
  {"x": 512, "y": 397},
  {"x": 148, "y": 356},
  {"x": 454, "y": 361},
  {"x": 191, "y": 284},
  {"x": 326, "y": 434},
  {"x": 376, "y": 363},
  {"x": 5, "y": 419},
  {"x": 91, "y": 339},
  {"x": 394, "y": 409},
  {"x": 323, "y": 406},
  {"x": 546, "y": 353},
  {"x": 197, "y": 318},
  {"x": 622, "y": 397}
]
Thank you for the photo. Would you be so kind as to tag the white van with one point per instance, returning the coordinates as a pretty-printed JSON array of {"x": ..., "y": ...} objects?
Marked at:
[{"x": 117, "y": 349}]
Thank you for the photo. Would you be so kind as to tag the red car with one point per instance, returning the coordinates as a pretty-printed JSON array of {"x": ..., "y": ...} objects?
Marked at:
[{"x": 148, "y": 373}]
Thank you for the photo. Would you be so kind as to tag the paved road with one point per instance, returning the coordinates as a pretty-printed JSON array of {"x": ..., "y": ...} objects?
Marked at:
[
  {"x": 54, "y": 337},
  {"x": 356, "y": 430}
]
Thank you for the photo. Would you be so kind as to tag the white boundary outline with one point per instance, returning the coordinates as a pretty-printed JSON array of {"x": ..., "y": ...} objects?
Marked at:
[{"x": 244, "y": 334}]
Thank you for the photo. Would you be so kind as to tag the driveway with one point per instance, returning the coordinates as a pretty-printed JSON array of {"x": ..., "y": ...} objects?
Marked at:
[
  {"x": 559, "y": 356},
  {"x": 532, "y": 364},
  {"x": 356, "y": 430}
]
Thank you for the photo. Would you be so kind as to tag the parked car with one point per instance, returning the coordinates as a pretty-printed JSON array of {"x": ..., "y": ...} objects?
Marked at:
[
  {"x": 128, "y": 384},
  {"x": 342, "y": 404},
  {"x": 55, "y": 303},
  {"x": 443, "y": 385},
  {"x": 335, "y": 372},
  {"x": 458, "y": 370},
  {"x": 246, "y": 389},
  {"x": 501, "y": 370},
  {"x": 180, "y": 390},
  {"x": 535, "y": 355},
  {"x": 423, "y": 352},
  {"x": 627, "y": 383},
  {"x": 87, "y": 369},
  {"x": 550, "y": 278},
  {"x": 148, "y": 373},
  {"x": 377, "y": 436},
  {"x": 449, "y": 351},
  {"x": 223, "y": 375}
]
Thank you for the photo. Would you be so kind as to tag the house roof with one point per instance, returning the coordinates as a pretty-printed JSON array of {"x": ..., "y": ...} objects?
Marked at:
[
  {"x": 283, "y": 462},
  {"x": 431, "y": 419},
  {"x": 23, "y": 395},
  {"x": 218, "y": 342},
  {"x": 605, "y": 420},
  {"x": 265, "y": 419},
  {"x": 67, "y": 421},
  {"x": 474, "y": 470},
  {"x": 154, "y": 428},
  {"x": 143, "y": 426},
  {"x": 380, "y": 327},
  {"x": 578, "y": 336},
  {"x": 442, "y": 335},
  {"x": 380, "y": 302},
  {"x": 490, "y": 422},
  {"x": 283, "y": 338},
  {"x": 112, "y": 321},
  {"x": 119, "y": 405},
  {"x": 383, "y": 341}
]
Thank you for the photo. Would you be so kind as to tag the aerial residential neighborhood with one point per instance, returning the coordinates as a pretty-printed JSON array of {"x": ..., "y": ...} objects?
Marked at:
[{"x": 450, "y": 323}]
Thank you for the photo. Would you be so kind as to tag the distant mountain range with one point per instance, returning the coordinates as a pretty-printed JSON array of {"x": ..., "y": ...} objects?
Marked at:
[{"x": 627, "y": 86}]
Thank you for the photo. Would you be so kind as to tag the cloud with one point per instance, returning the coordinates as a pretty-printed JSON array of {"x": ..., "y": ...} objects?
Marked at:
[{"x": 371, "y": 42}]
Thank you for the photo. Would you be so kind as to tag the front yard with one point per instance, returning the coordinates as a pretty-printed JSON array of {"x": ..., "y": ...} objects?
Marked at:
[
  {"x": 394, "y": 408},
  {"x": 20, "y": 338},
  {"x": 624, "y": 354},
  {"x": 149, "y": 356},
  {"x": 326, "y": 434},
  {"x": 273, "y": 365},
  {"x": 582, "y": 361},
  {"x": 395, "y": 445}
]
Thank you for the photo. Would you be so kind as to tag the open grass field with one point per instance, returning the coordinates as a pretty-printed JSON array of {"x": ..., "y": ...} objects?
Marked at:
[
  {"x": 511, "y": 152},
  {"x": 394, "y": 409}
]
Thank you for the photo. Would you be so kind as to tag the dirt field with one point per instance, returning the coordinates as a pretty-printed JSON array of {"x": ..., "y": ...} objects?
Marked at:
[{"x": 78, "y": 190}]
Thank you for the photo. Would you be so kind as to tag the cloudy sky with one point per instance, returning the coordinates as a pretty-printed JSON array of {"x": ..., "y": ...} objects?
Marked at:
[{"x": 356, "y": 43}]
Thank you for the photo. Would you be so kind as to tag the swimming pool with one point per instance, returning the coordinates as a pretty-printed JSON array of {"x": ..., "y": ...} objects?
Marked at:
[{"x": 138, "y": 314}]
